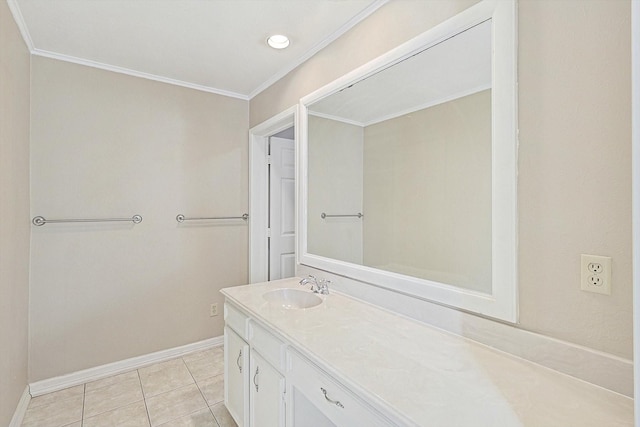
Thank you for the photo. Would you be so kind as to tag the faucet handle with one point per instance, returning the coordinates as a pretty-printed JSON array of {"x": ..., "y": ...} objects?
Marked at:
[
  {"x": 323, "y": 286},
  {"x": 309, "y": 279}
]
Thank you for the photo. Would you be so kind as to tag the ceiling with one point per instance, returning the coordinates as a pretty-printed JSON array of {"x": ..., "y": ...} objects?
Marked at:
[
  {"x": 213, "y": 45},
  {"x": 456, "y": 67}
]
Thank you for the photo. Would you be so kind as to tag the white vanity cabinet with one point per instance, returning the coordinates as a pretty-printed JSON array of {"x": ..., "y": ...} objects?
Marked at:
[
  {"x": 347, "y": 363},
  {"x": 254, "y": 386},
  {"x": 268, "y": 383}
]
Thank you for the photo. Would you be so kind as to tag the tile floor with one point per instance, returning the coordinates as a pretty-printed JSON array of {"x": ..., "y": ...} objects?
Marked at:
[{"x": 186, "y": 391}]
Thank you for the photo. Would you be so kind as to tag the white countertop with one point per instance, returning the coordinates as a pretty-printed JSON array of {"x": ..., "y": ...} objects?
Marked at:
[{"x": 427, "y": 376}]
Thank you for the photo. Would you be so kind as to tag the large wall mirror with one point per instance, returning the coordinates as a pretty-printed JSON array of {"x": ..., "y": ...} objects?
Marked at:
[{"x": 408, "y": 167}]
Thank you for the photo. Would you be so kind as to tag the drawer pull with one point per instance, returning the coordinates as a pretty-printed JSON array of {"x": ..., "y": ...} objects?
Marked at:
[
  {"x": 335, "y": 402},
  {"x": 254, "y": 378},
  {"x": 238, "y": 361}
]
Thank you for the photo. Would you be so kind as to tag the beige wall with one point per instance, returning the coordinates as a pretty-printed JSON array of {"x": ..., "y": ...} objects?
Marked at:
[
  {"x": 335, "y": 183},
  {"x": 574, "y": 191},
  {"x": 14, "y": 214},
  {"x": 110, "y": 145},
  {"x": 427, "y": 193},
  {"x": 575, "y": 168}
]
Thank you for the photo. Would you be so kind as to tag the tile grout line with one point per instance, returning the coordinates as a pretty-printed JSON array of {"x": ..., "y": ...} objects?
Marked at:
[
  {"x": 144, "y": 397},
  {"x": 112, "y": 409},
  {"x": 215, "y": 419},
  {"x": 216, "y": 403},
  {"x": 182, "y": 386},
  {"x": 197, "y": 386},
  {"x": 84, "y": 396},
  {"x": 201, "y": 393}
]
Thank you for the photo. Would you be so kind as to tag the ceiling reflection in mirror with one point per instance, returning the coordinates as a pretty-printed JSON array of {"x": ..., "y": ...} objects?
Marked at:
[{"x": 409, "y": 148}]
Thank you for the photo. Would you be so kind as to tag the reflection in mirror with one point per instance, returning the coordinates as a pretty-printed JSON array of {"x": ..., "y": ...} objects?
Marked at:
[{"x": 409, "y": 147}]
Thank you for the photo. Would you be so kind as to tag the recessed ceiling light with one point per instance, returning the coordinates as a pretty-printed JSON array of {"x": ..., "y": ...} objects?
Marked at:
[{"x": 278, "y": 41}]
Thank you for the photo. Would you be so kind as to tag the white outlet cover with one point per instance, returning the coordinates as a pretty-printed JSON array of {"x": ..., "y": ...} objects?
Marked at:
[{"x": 589, "y": 279}]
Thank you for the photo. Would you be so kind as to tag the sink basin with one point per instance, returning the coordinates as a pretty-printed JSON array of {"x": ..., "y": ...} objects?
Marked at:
[{"x": 292, "y": 298}]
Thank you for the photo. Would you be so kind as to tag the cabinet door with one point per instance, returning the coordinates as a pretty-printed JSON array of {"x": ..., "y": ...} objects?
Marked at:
[
  {"x": 236, "y": 376},
  {"x": 267, "y": 392}
]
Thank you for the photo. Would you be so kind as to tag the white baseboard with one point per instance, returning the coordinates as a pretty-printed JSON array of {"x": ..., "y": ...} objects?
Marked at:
[
  {"x": 21, "y": 409},
  {"x": 92, "y": 374}
]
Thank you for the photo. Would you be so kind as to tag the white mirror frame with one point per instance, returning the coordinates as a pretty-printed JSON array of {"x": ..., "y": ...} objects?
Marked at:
[{"x": 502, "y": 302}]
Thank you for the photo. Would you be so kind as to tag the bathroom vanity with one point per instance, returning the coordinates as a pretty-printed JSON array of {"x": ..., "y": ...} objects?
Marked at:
[
  {"x": 344, "y": 362},
  {"x": 406, "y": 182}
]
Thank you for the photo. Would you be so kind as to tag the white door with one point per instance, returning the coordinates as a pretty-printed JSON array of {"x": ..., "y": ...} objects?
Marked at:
[{"x": 282, "y": 208}]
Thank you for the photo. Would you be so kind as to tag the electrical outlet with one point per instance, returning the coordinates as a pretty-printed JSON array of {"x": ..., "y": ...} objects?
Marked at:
[
  {"x": 594, "y": 280},
  {"x": 595, "y": 274},
  {"x": 213, "y": 311},
  {"x": 595, "y": 267}
]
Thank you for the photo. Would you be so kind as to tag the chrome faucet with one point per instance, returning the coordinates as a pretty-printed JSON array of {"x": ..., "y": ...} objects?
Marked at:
[
  {"x": 318, "y": 286},
  {"x": 323, "y": 287},
  {"x": 307, "y": 280}
]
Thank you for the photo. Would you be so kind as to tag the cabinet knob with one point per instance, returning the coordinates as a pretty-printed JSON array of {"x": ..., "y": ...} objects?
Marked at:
[{"x": 335, "y": 402}]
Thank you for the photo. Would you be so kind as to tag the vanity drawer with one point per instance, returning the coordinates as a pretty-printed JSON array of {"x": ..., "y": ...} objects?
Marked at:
[
  {"x": 270, "y": 347},
  {"x": 336, "y": 402},
  {"x": 236, "y": 321}
]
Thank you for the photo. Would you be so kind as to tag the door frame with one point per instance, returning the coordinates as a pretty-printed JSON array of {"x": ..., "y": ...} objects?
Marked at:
[
  {"x": 259, "y": 189},
  {"x": 635, "y": 148}
]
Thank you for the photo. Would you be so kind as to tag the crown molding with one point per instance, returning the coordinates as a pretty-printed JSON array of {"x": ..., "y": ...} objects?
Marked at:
[
  {"x": 318, "y": 47},
  {"x": 24, "y": 30},
  {"x": 429, "y": 104},
  {"x": 22, "y": 26},
  {"x": 20, "y": 22},
  {"x": 148, "y": 76},
  {"x": 336, "y": 118}
]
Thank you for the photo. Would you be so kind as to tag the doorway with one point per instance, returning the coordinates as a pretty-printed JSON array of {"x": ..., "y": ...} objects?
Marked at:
[
  {"x": 282, "y": 198},
  {"x": 264, "y": 259},
  {"x": 635, "y": 123}
]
